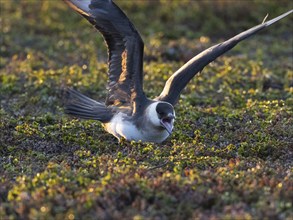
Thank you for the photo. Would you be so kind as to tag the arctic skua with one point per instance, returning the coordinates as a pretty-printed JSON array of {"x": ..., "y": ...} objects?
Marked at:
[{"x": 127, "y": 112}]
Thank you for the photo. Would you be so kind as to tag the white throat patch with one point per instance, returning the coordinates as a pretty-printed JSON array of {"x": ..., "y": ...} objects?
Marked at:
[{"x": 151, "y": 129}]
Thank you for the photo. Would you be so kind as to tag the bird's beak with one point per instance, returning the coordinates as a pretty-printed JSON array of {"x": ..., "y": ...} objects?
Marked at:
[{"x": 167, "y": 123}]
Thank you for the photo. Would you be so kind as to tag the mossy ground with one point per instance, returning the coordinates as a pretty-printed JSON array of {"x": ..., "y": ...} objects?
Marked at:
[{"x": 230, "y": 156}]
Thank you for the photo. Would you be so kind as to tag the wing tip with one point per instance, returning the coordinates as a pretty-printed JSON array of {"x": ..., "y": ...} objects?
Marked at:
[
  {"x": 267, "y": 23},
  {"x": 82, "y": 7}
]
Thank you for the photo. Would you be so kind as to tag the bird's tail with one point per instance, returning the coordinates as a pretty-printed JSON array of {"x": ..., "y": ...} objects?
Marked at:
[{"x": 81, "y": 106}]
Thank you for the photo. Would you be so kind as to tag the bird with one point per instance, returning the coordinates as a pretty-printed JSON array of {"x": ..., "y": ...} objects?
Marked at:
[{"x": 127, "y": 113}]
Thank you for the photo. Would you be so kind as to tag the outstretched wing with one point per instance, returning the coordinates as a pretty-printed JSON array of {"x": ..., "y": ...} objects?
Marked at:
[
  {"x": 125, "y": 50},
  {"x": 176, "y": 83}
]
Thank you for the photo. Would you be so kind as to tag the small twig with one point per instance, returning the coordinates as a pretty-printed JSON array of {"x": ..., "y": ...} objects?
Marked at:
[{"x": 159, "y": 166}]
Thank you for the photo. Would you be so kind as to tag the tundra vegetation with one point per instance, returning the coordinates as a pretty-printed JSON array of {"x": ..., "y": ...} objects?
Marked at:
[{"x": 230, "y": 156}]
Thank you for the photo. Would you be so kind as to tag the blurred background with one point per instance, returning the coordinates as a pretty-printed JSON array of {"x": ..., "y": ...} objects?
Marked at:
[{"x": 51, "y": 28}]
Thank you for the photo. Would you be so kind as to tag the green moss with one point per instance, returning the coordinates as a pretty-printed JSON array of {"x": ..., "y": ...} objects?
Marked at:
[{"x": 229, "y": 156}]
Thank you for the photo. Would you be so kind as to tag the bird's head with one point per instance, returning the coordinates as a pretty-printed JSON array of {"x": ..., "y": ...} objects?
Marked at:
[{"x": 162, "y": 115}]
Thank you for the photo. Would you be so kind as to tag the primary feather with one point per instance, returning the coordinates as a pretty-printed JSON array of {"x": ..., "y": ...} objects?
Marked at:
[
  {"x": 125, "y": 50},
  {"x": 177, "y": 82}
]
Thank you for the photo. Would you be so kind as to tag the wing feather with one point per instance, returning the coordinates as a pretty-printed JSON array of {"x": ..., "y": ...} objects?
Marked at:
[
  {"x": 125, "y": 50},
  {"x": 177, "y": 82}
]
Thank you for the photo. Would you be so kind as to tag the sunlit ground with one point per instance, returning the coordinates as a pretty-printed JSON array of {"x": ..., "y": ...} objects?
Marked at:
[{"x": 230, "y": 156}]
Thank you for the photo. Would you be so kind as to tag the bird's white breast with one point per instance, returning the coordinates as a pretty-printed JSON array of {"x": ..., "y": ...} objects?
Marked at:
[{"x": 119, "y": 126}]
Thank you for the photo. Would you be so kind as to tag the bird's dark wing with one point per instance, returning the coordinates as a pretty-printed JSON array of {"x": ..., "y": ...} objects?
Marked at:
[
  {"x": 125, "y": 50},
  {"x": 176, "y": 83}
]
